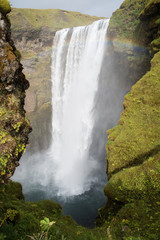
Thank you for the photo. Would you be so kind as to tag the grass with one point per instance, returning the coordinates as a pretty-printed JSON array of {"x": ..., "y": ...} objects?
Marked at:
[{"x": 54, "y": 19}]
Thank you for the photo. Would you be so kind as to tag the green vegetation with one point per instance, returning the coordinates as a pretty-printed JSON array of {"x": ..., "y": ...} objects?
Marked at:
[
  {"x": 5, "y": 6},
  {"x": 14, "y": 127},
  {"x": 28, "y": 220},
  {"x": 124, "y": 23},
  {"x": 54, "y": 19},
  {"x": 138, "y": 220},
  {"x": 133, "y": 148},
  {"x": 137, "y": 136},
  {"x": 133, "y": 156},
  {"x": 150, "y": 7},
  {"x": 151, "y": 32}
]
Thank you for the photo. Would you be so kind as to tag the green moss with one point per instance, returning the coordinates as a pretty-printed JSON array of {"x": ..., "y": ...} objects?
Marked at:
[
  {"x": 136, "y": 221},
  {"x": 140, "y": 182},
  {"x": 18, "y": 55},
  {"x": 138, "y": 134},
  {"x": 151, "y": 7},
  {"x": 26, "y": 221},
  {"x": 124, "y": 22},
  {"x": 133, "y": 157},
  {"x": 155, "y": 44},
  {"x": 5, "y": 6},
  {"x": 13, "y": 126}
]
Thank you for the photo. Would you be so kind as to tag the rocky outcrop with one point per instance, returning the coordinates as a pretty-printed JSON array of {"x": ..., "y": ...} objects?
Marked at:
[
  {"x": 131, "y": 57},
  {"x": 133, "y": 147},
  {"x": 14, "y": 127},
  {"x": 150, "y": 25},
  {"x": 33, "y": 32}
]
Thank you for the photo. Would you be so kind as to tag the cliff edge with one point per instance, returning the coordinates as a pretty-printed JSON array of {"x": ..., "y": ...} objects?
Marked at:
[
  {"x": 133, "y": 147},
  {"x": 14, "y": 127}
]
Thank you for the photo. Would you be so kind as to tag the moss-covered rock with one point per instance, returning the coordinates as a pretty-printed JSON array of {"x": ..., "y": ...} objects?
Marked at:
[
  {"x": 131, "y": 54},
  {"x": 133, "y": 158},
  {"x": 5, "y": 6},
  {"x": 124, "y": 22},
  {"x": 137, "y": 135},
  {"x": 14, "y": 127},
  {"x": 150, "y": 25},
  {"x": 20, "y": 219},
  {"x": 133, "y": 148},
  {"x": 136, "y": 221}
]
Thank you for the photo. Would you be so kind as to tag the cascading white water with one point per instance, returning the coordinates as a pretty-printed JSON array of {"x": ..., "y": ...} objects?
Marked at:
[
  {"x": 73, "y": 161},
  {"x": 76, "y": 63},
  {"x": 87, "y": 98}
]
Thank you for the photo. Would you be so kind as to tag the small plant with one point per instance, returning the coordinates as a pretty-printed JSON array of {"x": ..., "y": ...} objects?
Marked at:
[{"x": 45, "y": 225}]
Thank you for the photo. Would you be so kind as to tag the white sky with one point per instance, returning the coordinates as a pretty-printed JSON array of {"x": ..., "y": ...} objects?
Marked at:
[{"x": 102, "y": 8}]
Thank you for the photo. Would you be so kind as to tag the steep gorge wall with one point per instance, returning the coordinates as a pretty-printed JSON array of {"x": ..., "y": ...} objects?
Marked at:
[
  {"x": 14, "y": 127},
  {"x": 133, "y": 148}
]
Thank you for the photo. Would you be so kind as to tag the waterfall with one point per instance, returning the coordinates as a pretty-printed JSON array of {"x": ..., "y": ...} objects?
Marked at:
[
  {"x": 87, "y": 95},
  {"x": 84, "y": 94},
  {"x": 76, "y": 64}
]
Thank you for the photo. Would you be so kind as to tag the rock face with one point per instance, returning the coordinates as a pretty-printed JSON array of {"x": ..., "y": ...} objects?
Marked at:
[
  {"x": 133, "y": 148},
  {"x": 14, "y": 127},
  {"x": 33, "y": 32}
]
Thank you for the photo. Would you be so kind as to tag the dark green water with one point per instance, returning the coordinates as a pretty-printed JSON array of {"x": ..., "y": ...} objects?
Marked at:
[{"x": 82, "y": 208}]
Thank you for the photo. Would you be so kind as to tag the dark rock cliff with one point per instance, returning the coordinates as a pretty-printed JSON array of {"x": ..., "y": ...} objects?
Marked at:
[{"x": 14, "y": 127}]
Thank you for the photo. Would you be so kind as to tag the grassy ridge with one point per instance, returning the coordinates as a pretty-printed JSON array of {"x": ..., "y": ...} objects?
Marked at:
[{"x": 53, "y": 18}]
